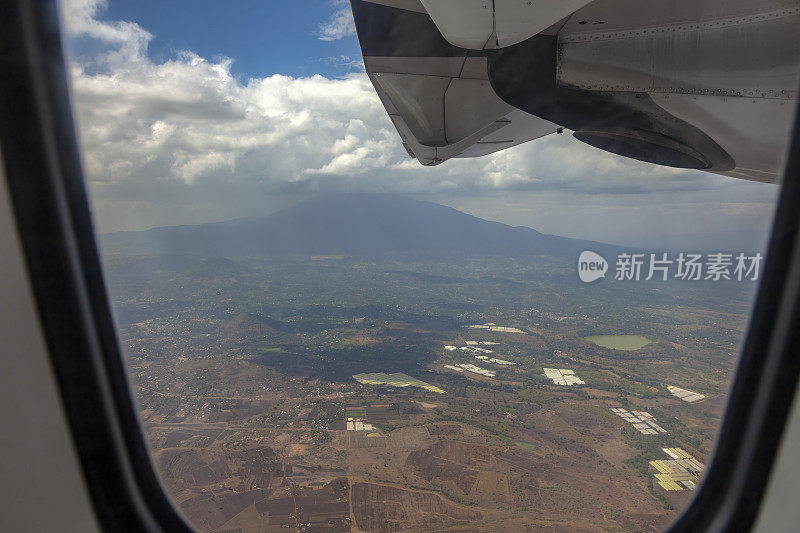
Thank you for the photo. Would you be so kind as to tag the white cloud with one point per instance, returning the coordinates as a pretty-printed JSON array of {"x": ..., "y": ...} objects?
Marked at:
[
  {"x": 184, "y": 141},
  {"x": 344, "y": 61},
  {"x": 130, "y": 39},
  {"x": 339, "y": 25}
]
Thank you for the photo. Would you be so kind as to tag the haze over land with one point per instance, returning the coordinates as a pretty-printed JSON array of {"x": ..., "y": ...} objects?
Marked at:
[
  {"x": 353, "y": 224},
  {"x": 316, "y": 366}
]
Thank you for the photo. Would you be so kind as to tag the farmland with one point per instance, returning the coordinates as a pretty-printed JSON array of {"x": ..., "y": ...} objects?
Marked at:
[{"x": 319, "y": 394}]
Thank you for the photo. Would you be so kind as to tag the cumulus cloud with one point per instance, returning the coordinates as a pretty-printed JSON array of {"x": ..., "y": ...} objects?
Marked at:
[
  {"x": 339, "y": 25},
  {"x": 126, "y": 42},
  {"x": 184, "y": 141}
]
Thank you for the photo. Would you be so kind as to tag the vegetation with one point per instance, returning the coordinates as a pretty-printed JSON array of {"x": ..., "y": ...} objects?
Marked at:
[{"x": 261, "y": 356}]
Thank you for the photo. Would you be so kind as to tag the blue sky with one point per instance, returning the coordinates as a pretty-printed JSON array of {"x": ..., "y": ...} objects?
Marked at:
[
  {"x": 263, "y": 38},
  {"x": 174, "y": 133}
]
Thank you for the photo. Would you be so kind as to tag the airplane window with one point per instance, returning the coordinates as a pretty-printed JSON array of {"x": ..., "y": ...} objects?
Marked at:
[{"x": 432, "y": 265}]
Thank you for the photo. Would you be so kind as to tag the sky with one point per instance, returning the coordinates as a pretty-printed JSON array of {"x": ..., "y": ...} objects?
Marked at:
[{"x": 199, "y": 111}]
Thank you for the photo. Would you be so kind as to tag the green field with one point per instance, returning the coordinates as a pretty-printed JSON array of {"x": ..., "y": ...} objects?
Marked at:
[
  {"x": 356, "y": 412},
  {"x": 272, "y": 350},
  {"x": 398, "y": 379},
  {"x": 627, "y": 343}
]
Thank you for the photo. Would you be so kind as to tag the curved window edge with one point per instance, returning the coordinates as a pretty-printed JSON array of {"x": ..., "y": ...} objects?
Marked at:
[{"x": 45, "y": 180}]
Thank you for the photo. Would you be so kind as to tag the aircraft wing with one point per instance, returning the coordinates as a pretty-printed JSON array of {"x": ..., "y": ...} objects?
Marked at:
[
  {"x": 438, "y": 95},
  {"x": 696, "y": 84}
]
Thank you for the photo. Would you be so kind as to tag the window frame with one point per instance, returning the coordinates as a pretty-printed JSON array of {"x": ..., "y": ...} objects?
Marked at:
[
  {"x": 42, "y": 163},
  {"x": 43, "y": 169}
]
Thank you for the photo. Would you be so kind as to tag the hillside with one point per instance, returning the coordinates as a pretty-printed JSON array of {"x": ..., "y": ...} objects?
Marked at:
[
  {"x": 251, "y": 327},
  {"x": 351, "y": 224}
]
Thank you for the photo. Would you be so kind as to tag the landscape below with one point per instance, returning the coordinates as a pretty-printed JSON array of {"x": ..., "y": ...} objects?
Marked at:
[{"x": 397, "y": 378}]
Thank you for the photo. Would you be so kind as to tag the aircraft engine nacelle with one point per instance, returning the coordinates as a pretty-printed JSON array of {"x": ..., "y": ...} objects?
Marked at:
[{"x": 696, "y": 84}]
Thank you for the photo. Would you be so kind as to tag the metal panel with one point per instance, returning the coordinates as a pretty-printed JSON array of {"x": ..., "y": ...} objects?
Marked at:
[
  {"x": 518, "y": 127},
  {"x": 754, "y": 131},
  {"x": 517, "y": 20},
  {"x": 419, "y": 100},
  {"x": 622, "y": 15},
  {"x": 490, "y": 24},
  {"x": 440, "y": 117},
  {"x": 449, "y": 67},
  {"x": 469, "y": 106},
  {"x": 475, "y": 67},
  {"x": 756, "y": 56},
  {"x": 464, "y": 23}
]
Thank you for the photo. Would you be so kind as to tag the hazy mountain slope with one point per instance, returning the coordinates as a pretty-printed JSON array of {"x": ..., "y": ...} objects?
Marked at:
[{"x": 351, "y": 224}]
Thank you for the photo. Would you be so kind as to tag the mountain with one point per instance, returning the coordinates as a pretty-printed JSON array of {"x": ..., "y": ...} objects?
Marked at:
[{"x": 350, "y": 224}]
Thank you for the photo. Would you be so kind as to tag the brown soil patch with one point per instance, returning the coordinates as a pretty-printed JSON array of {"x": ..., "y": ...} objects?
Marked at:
[{"x": 386, "y": 509}]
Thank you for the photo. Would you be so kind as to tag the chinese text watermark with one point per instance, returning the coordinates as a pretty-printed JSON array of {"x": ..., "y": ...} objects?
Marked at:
[{"x": 717, "y": 266}]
